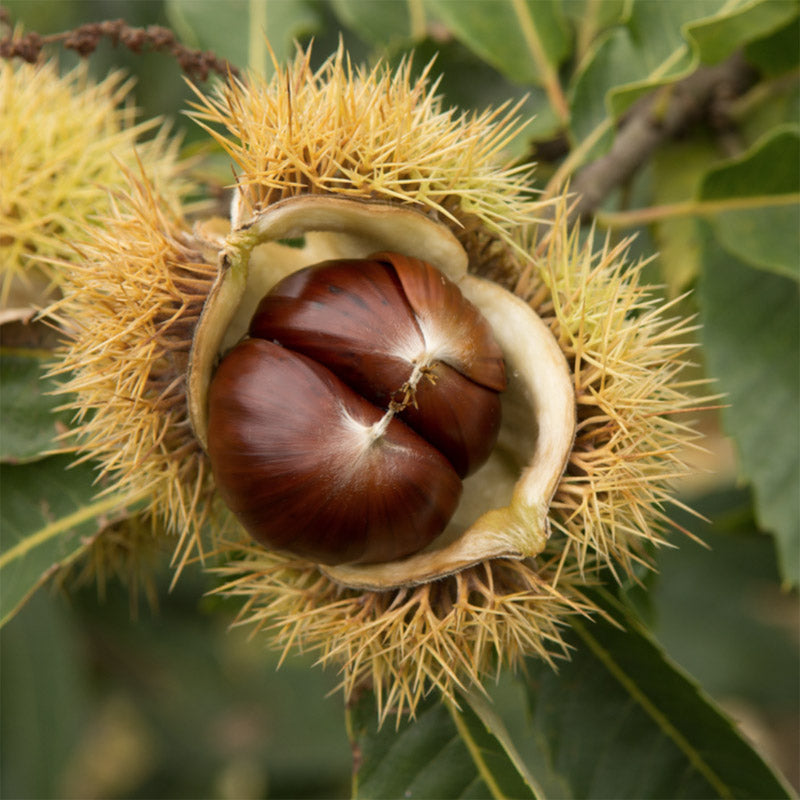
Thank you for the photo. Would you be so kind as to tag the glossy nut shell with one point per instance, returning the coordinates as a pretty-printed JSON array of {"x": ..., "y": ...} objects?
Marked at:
[
  {"x": 372, "y": 321},
  {"x": 297, "y": 458}
]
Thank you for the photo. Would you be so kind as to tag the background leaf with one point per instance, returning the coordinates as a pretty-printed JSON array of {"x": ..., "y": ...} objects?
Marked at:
[
  {"x": 386, "y": 24},
  {"x": 470, "y": 84},
  {"x": 720, "y": 613},
  {"x": 440, "y": 754},
  {"x": 227, "y": 27},
  {"x": 595, "y": 16},
  {"x": 718, "y": 38},
  {"x": 767, "y": 235},
  {"x": 611, "y": 61},
  {"x": 677, "y": 170},
  {"x": 28, "y": 425},
  {"x": 779, "y": 51},
  {"x": 620, "y": 701},
  {"x": 47, "y": 517},
  {"x": 651, "y": 49},
  {"x": 493, "y": 30},
  {"x": 44, "y": 697},
  {"x": 96, "y": 704},
  {"x": 751, "y": 333}
]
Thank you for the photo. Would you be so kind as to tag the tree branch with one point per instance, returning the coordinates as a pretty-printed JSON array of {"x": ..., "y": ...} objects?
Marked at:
[
  {"x": 652, "y": 120},
  {"x": 85, "y": 39}
]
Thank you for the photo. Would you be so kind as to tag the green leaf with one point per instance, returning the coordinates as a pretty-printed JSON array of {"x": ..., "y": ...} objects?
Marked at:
[
  {"x": 620, "y": 720},
  {"x": 673, "y": 39},
  {"x": 778, "y": 52},
  {"x": 28, "y": 425},
  {"x": 767, "y": 237},
  {"x": 48, "y": 516},
  {"x": 591, "y": 19},
  {"x": 611, "y": 61},
  {"x": 630, "y": 60},
  {"x": 597, "y": 15},
  {"x": 769, "y": 106},
  {"x": 443, "y": 753},
  {"x": 751, "y": 330},
  {"x": 470, "y": 84},
  {"x": 499, "y": 31},
  {"x": 44, "y": 698},
  {"x": 181, "y": 705},
  {"x": 742, "y": 633},
  {"x": 214, "y": 701},
  {"x": 387, "y": 24},
  {"x": 492, "y": 749},
  {"x": 771, "y": 167},
  {"x": 236, "y": 29},
  {"x": 678, "y": 168},
  {"x": 656, "y": 46},
  {"x": 717, "y": 39}
]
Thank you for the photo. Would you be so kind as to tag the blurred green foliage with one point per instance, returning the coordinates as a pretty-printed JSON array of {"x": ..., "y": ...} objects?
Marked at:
[{"x": 173, "y": 704}]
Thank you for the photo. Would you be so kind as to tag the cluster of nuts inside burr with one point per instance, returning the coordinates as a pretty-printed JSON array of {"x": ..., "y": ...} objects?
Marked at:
[
  {"x": 341, "y": 428},
  {"x": 367, "y": 403}
]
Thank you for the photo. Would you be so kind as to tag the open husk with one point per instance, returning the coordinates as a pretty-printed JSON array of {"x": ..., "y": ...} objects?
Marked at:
[{"x": 503, "y": 512}]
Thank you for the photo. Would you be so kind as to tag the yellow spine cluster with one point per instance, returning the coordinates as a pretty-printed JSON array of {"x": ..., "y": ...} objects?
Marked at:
[{"x": 64, "y": 141}]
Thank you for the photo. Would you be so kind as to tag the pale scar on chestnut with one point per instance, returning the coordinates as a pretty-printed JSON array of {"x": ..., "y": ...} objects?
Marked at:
[{"x": 341, "y": 428}]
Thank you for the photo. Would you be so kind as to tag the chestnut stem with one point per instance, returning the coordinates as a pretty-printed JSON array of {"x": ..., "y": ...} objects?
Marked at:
[{"x": 407, "y": 392}]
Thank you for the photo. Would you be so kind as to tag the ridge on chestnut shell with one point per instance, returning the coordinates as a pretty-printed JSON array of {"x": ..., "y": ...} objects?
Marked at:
[{"x": 341, "y": 429}]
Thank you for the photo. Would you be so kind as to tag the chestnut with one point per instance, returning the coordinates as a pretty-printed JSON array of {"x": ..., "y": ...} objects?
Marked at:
[
  {"x": 383, "y": 323},
  {"x": 341, "y": 429}
]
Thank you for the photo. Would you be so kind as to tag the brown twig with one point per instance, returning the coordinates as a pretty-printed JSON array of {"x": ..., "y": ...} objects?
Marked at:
[
  {"x": 85, "y": 38},
  {"x": 655, "y": 118}
]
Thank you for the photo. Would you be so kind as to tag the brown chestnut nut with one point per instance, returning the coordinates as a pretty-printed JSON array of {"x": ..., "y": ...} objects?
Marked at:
[
  {"x": 393, "y": 324},
  {"x": 306, "y": 464},
  {"x": 341, "y": 429}
]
